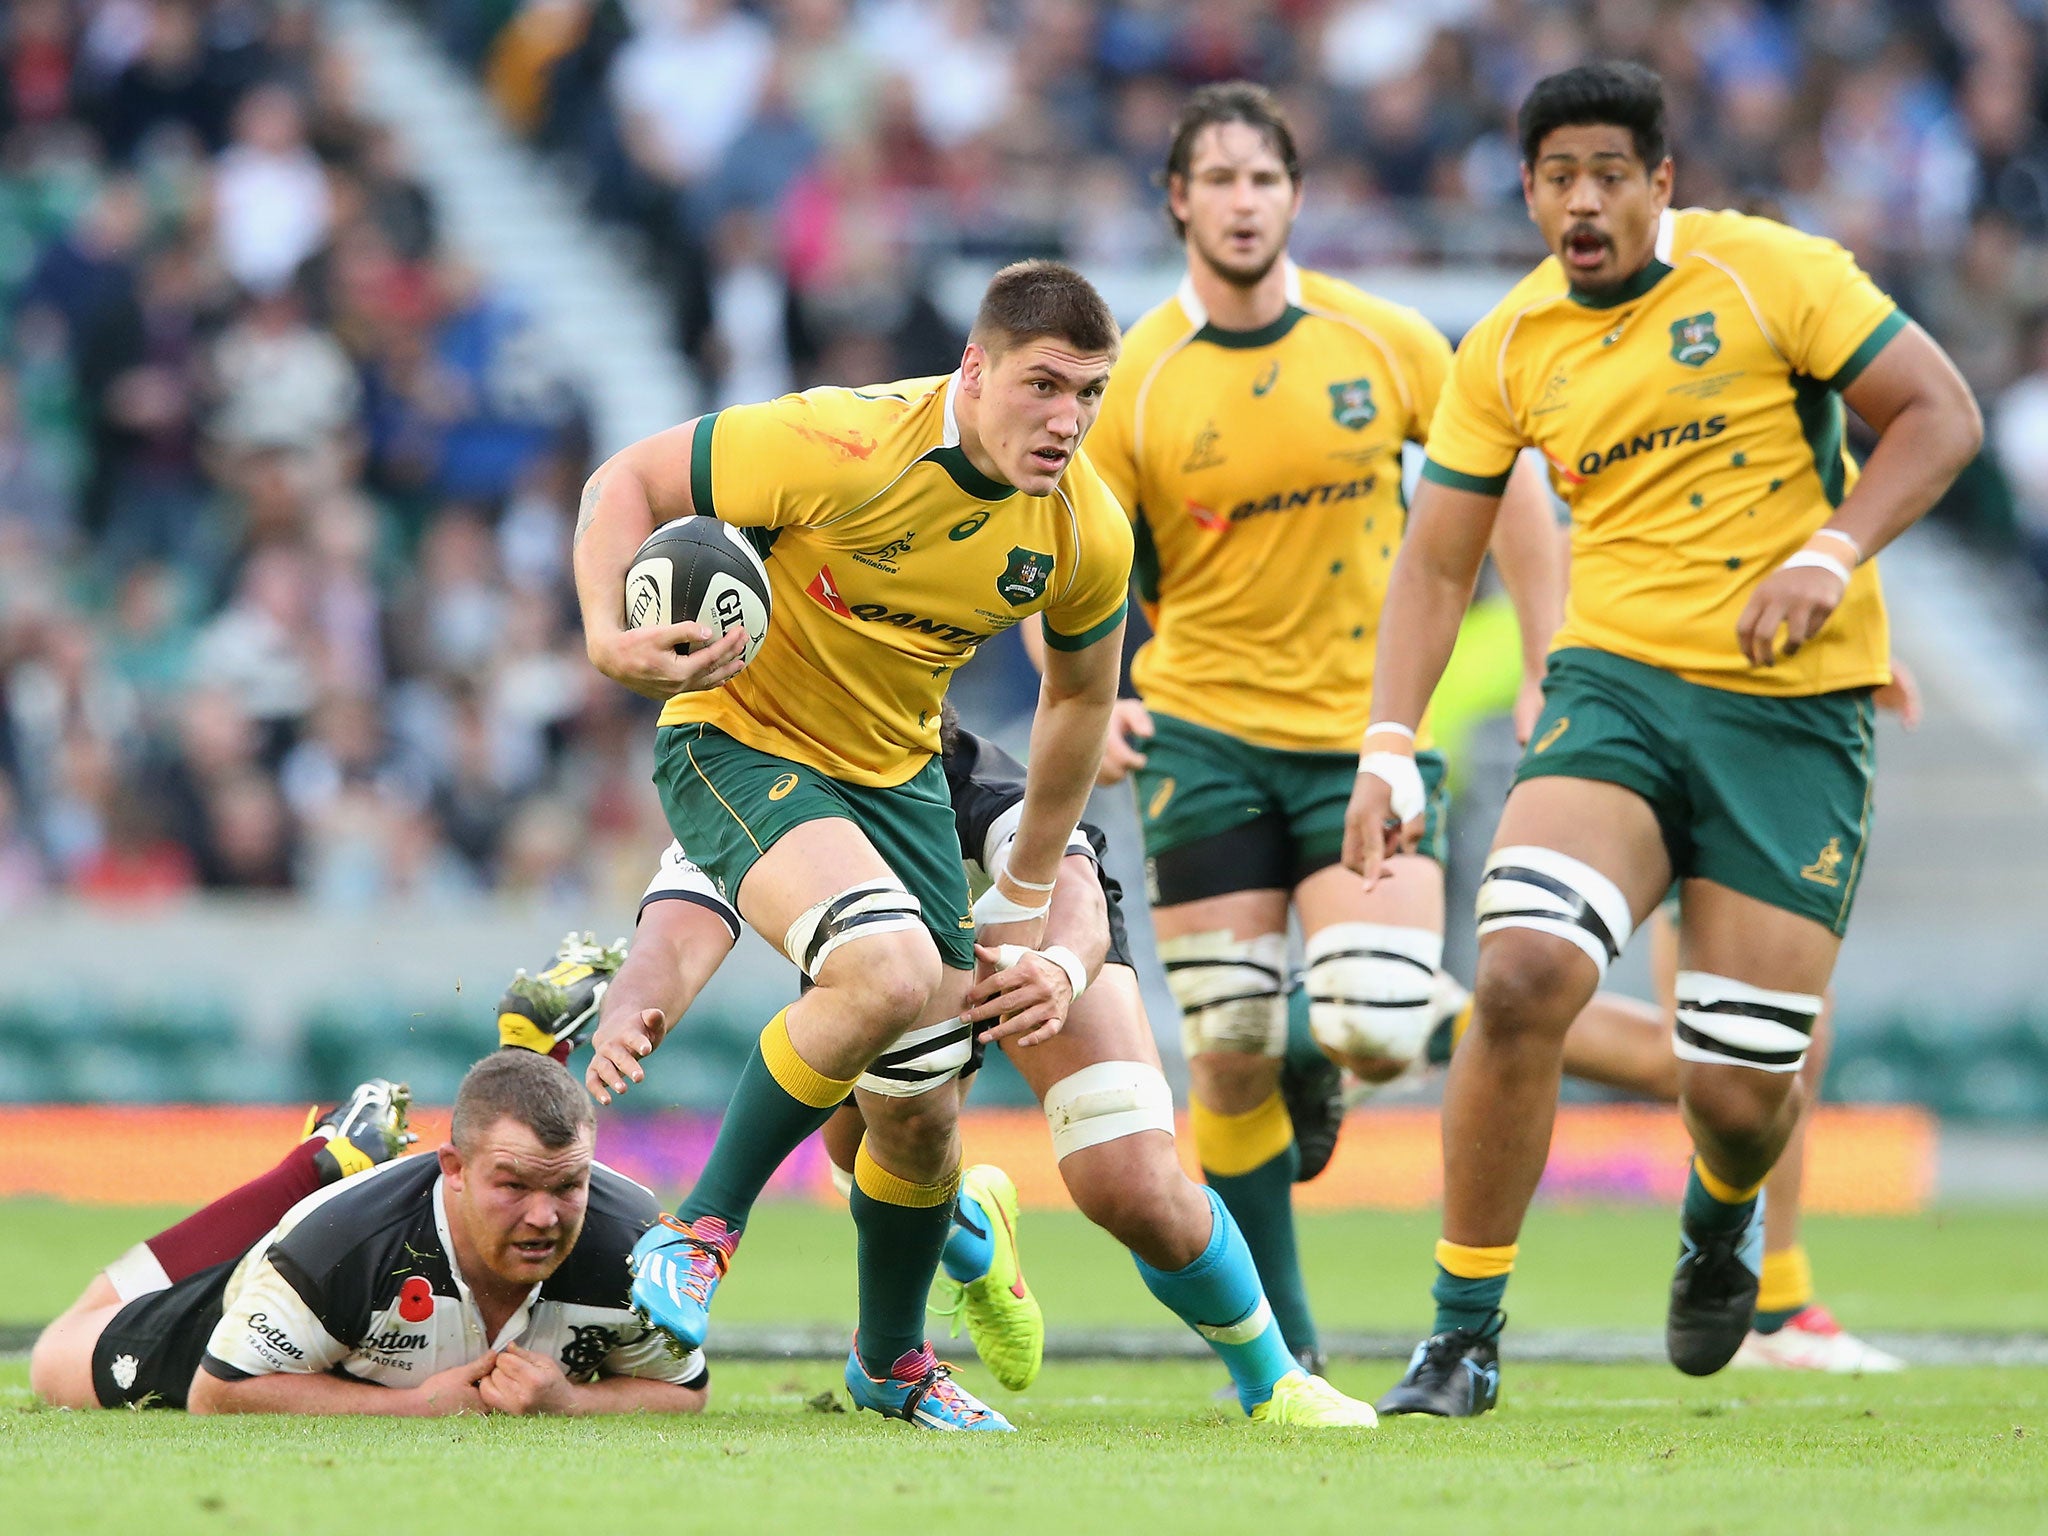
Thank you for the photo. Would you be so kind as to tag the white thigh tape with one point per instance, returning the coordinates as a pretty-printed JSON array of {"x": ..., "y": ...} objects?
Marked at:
[
  {"x": 842, "y": 1181},
  {"x": 1554, "y": 893},
  {"x": 1371, "y": 987},
  {"x": 1232, "y": 992},
  {"x": 137, "y": 1273},
  {"x": 859, "y": 912},
  {"x": 921, "y": 1059},
  {"x": 1731, "y": 1023},
  {"x": 1109, "y": 1100}
]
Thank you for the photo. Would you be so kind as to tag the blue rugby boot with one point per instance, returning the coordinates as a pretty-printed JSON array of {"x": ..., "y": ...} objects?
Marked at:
[
  {"x": 1451, "y": 1375},
  {"x": 920, "y": 1390},
  {"x": 1713, "y": 1292},
  {"x": 676, "y": 1267}
]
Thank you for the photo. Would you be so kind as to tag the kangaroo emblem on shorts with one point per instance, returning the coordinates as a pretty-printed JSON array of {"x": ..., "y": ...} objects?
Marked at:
[
  {"x": 1822, "y": 870},
  {"x": 124, "y": 1370}
]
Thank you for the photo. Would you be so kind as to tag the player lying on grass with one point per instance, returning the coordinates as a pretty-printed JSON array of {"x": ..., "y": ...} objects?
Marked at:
[
  {"x": 487, "y": 1278},
  {"x": 1097, "y": 1077},
  {"x": 909, "y": 523},
  {"x": 1707, "y": 705}
]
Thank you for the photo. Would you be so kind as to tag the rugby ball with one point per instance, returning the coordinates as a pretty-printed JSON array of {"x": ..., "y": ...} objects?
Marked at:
[{"x": 699, "y": 570}]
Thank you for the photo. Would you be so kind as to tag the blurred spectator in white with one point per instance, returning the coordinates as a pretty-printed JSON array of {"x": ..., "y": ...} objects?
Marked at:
[
  {"x": 959, "y": 68},
  {"x": 1366, "y": 42},
  {"x": 259, "y": 647},
  {"x": 2019, "y": 436},
  {"x": 282, "y": 383},
  {"x": 688, "y": 82},
  {"x": 272, "y": 207},
  {"x": 450, "y": 618}
]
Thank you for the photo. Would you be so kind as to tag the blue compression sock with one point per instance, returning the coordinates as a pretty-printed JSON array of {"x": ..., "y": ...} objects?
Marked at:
[
  {"x": 969, "y": 1247},
  {"x": 1219, "y": 1297}
]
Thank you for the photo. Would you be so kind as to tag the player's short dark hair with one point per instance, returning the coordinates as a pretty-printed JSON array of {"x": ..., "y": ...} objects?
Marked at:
[
  {"x": 1028, "y": 300},
  {"x": 1230, "y": 101},
  {"x": 1612, "y": 93},
  {"x": 535, "y": 1090}
]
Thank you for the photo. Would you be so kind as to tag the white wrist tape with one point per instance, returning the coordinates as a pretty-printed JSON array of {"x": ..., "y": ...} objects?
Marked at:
[
  {"x": 1381, "y": 727},
  {"x": 1398, "y": 772},
  {"x": 1855, "y": 549},
  {"x": 1820, "y": 562},
  {"x": 994, "y": 907},
  {"x": 1008, "y": 955}
]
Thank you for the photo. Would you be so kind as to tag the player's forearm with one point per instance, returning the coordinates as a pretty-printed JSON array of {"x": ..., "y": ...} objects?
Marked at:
[
  {"x": 1531, "y": 558},
  {"x": 310, "y": 1394},
  {"x": 1427, "y": 594},
  {"x": 677, "y": 946},
  {"x": 614, "y": 520},
  {"x": 1079, "y": 917},
  {"x": 635, "y": 1394},
  {"x": 1075, "y": 701},
  {"x": 1917, "y": 457}
]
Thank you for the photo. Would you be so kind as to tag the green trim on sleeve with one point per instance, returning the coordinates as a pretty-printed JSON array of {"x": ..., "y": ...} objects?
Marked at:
[
  {"x": 1458, "y": 480},
  {"x": 1089, "y": 636},
  {"x": 700, "y": 466},
  {"x": 1866, "y": 353}
]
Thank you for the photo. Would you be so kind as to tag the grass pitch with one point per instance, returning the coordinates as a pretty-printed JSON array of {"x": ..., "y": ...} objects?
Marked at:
[{"x": 1136, "y": 1447}]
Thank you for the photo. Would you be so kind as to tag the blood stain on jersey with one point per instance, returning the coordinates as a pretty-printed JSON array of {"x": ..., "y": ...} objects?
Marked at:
[
  {"x": 826, "y": 591},
  {"x": 852, "y": 446},
  {"x": 1215, "y": 522}
]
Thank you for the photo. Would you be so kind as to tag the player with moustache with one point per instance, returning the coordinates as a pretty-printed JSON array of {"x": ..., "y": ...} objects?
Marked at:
[
  {"x": 1254, "y": 430},
  {"x": 904, "y": 525},
  {"x": 1708, "y": 704}
]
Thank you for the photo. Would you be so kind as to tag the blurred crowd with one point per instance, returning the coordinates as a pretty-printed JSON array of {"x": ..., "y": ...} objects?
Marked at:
[
  {"x": 285, "y": 494},
  {"x": 285, "y": 491},
  {"x": 800, "y": 166}
]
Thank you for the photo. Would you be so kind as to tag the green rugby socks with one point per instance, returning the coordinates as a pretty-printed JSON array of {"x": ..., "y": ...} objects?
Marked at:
[{"x": 1250, "y": 1161}]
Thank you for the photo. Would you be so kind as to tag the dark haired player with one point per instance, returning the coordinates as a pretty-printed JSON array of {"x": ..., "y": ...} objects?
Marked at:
[
  {"x": 488, "y": 1278},
  {"x": 906, "y": 525},
  {"x": 1708, "y": 707},
  {"x": 1254, "y": 430},
  {"x": 1107, "y": 1102}
]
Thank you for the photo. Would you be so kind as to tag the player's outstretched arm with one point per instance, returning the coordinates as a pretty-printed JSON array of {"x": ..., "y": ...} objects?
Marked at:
[
  {"x": 1427, "y": 593},
  {"x": 631, "y": 492},
  {"x": 1928, "y": 429},
  {"x": 323, "y": 1394},
  {"x": 677, "y": 945}
]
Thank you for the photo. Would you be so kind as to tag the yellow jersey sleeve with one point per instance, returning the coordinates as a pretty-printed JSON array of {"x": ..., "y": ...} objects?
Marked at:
[
  {"x": 1472, "y": 434},
  {"x": 1112, "y": 442},
  {"x": 1827, "y": 314},
  {"x": 1091, "y": 603},
  {"x": 1426, "y": 359},
  {"x": 784, "y": 463}
]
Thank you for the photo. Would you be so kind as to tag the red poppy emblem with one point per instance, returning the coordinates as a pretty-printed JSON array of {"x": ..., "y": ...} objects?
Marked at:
[{"x": 416, "y": 1300}]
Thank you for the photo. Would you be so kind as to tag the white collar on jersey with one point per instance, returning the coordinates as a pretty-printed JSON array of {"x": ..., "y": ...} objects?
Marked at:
[
  {"x": 1667, "y": 231},
  {"x": 1199, "y": 317},
  {"x": 950, "y": 437},
  {"x": 516, "y": 1324}
]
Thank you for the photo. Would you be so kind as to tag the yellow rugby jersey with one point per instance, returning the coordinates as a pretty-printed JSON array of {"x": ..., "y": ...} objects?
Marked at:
[
  {"x": 1262, "y": 470},
  {"x": 890, "y": 558},
  {"x": 1694, "y": 425}
]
